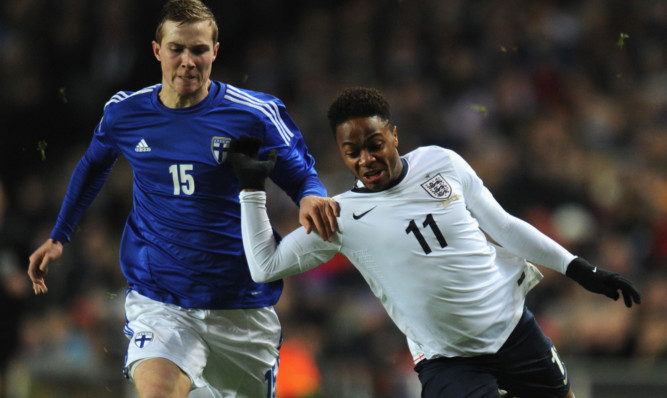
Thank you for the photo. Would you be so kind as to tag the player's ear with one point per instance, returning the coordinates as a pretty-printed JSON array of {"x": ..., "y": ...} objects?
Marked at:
[
  {"x": 395, "y": 134},
  {"x": 156, "y": 50}
]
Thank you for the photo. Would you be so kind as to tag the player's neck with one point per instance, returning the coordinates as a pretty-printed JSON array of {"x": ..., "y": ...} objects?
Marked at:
[{"x": 173, "y": 99}]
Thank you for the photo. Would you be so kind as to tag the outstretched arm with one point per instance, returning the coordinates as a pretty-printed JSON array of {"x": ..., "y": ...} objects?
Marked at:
[
  {"x": 86, "y": 182},
  {"x": 267, "y": 260},
  {"x": 297, "y": 252},
  {"x": 526, "y": 241}
]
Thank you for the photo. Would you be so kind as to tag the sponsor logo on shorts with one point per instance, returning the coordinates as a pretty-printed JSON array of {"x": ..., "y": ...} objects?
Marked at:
[{"x": 142, "y": 339}]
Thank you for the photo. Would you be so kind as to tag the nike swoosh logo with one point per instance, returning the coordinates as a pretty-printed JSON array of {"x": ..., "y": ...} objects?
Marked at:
[{"x": 358, "y": 216}]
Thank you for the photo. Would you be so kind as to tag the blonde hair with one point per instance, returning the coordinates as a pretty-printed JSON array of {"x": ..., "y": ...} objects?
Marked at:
[{"x": 186, "y": 11}]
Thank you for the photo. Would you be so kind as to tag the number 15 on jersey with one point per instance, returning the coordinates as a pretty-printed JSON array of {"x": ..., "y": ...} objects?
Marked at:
[{"x": 181, "y": 175}]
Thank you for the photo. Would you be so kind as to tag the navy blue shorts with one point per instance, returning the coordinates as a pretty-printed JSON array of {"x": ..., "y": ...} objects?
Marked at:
[{"x": 526, "y": 366}]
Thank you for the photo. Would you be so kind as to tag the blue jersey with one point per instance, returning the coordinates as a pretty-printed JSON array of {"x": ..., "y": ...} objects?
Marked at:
[{"x": 182, "y": 241}]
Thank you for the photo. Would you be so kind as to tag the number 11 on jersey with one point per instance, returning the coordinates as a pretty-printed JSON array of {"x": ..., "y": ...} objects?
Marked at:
[{"x": 429, "y": 221}]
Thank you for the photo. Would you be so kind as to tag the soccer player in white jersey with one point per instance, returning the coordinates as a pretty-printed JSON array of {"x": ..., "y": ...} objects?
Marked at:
[
  {"x": 450, "y": 266},
  {"x": 195, "y": 318}
]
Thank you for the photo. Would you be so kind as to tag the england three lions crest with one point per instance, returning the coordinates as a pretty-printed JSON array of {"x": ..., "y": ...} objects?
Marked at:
[
  {"x": 438, "y": 187},
  {"x": 219, "y": 148}
]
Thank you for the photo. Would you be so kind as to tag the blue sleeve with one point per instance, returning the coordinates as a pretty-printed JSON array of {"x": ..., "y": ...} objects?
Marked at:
[
  {"x": 295, "y": 170},
  {"x": 86, "y": 182}
]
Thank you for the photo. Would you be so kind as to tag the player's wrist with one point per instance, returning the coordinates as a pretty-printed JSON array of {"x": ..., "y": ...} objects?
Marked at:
[
  {"x": 252, "y": 197},
  {"x": 56, "y": 241},
  {"x": 251, "y": 184},
  {"x": 579, "y": 269}
]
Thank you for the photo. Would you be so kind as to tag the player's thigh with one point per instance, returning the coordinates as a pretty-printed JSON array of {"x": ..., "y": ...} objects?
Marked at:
[
  {"x": 456, "y": 377},
  {"x": 158, "y": 330},
  {"x": 530, "y": 365},
  {"x": 244, "y": 356},
  {"x": 159, "y": 377}
]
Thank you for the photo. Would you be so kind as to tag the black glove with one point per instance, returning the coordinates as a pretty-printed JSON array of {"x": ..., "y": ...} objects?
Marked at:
[
  {"x": 250, "y": 171},
  {"x": 599, "y": 280}
]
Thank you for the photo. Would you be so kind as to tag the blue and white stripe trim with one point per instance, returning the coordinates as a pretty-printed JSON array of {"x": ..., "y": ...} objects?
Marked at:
[
  {"x": 126, "y": 329},
  {"x": 123, "y": 95},
  {"x": 128, "y": 332},
  {"x": 268, "y": 108}
]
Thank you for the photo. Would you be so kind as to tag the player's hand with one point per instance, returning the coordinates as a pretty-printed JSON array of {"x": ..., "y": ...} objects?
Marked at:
[
  {"x": 599, "y": 280},
  {"x": 250, "y": 171},
  {"x": 49, "y": 251},
  {"x": 319, "y": 213}
]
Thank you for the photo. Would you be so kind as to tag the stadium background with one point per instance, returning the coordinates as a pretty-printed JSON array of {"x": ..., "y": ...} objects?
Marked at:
[{"x": 559, "y": 105}]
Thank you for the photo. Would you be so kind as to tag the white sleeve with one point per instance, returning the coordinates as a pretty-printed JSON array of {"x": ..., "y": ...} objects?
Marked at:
[
  {"x": 514, "y": 234},
  {"x": 268, "y": 261}
]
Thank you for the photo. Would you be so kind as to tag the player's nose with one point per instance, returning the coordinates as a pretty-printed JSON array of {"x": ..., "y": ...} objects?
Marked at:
[{"x": 366, "y": 157}]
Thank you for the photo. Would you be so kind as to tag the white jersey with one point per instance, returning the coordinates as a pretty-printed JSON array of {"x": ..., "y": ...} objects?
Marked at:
[{"x": 421, "y": 247}]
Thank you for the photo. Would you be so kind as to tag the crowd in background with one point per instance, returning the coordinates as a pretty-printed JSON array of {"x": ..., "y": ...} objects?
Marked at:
[{"x": 560, "y": 106}]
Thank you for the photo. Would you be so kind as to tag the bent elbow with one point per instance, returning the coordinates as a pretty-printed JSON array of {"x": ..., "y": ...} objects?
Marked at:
[{"x": 260, "y": 276}]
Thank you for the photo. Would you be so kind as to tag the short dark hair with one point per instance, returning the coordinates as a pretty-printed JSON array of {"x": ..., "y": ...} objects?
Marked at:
[
  {"x": 355, "y": 102},
  {"x": 185, "y": 11}
]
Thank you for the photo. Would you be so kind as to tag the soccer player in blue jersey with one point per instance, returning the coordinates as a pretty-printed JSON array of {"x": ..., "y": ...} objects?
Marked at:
[
  {"x": 417, "y": 228},
  {"x": 195, "y": 318}
]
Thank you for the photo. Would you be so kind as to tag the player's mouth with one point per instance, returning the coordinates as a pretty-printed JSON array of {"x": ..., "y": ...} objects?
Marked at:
[{"x": 373, "y": 176}]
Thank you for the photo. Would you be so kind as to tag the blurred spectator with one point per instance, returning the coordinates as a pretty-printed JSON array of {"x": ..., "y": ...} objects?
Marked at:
[{"x": 13, "y": 290}]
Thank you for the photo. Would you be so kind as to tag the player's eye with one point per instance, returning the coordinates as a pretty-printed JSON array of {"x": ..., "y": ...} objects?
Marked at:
[
  {"x": 375, "y": 146},
  {"x": 199, "y": 50}
]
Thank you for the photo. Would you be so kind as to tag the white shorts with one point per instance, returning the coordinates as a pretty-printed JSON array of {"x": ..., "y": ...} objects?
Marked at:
[{"x": 234, "y": 353}]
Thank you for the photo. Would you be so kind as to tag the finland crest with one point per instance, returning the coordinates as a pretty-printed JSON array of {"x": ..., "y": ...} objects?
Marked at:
[
  {"x": 438, "y": 187},
  {"x": 142, "y": 339},
  {"x": 219, "y": 147}
]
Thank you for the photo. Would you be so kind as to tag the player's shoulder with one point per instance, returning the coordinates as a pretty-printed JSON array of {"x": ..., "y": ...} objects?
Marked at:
[
  {"x": 250, "y": 99},
  {"x": 432, "y": 153},
  {"x": 430, "y": 150},
  {"x": 124, "y": 99},
  {"x": 124, "y": 104},
  {"x": 434, "y": 159}
]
